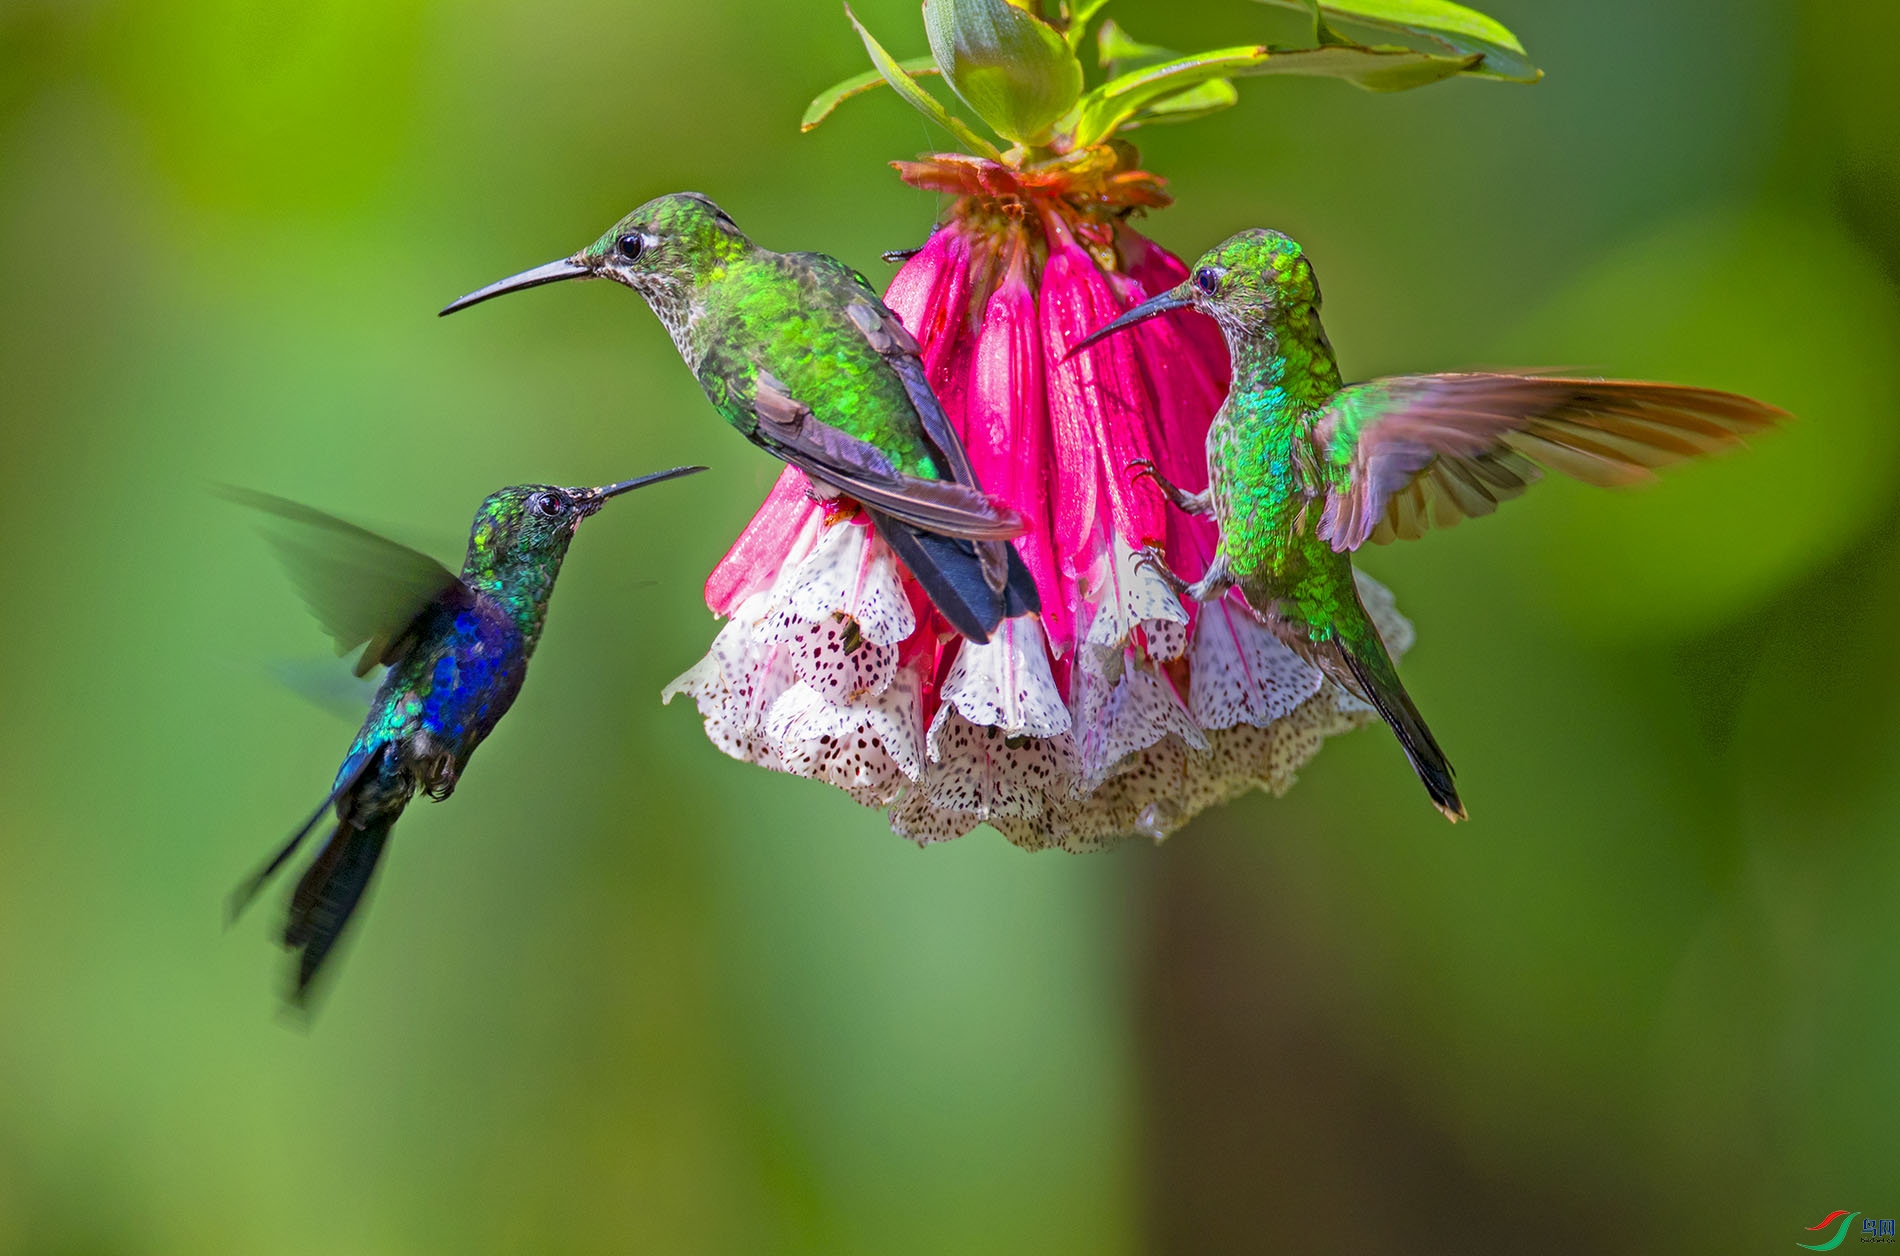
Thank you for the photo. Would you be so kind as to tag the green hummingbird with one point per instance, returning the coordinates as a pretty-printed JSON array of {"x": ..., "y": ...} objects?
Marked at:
[
  {"x": 457, "y": 650},
  {"x": 1304, "y": 469},
  {"x": 797, "y": 351}
]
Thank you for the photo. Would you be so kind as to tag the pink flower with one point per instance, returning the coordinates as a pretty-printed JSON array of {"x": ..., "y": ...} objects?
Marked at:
[{"x": 1119, "y": 709}]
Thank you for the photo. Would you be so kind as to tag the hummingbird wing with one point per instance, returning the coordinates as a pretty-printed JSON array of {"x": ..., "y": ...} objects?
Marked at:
[
  {"x": 900, "y": 351},
  {"x": 1400, "y": 454},
  {"x": 363, "y": 588},
  {"x": 787, "y": 428},
  {"x": 954, "y": 506}
]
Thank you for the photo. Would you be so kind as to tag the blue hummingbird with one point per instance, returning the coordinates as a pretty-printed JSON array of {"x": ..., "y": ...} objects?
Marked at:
[{"x": 457, "y": 650}]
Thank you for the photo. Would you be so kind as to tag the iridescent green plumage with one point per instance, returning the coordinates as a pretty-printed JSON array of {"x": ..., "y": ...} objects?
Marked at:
[
  {"x": 1303, "y": 470},
  {"x": 797, "y": 352},
  {"x": 736, "y": 312}
]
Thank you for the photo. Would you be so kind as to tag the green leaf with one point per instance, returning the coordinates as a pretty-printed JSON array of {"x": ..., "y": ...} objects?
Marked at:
[
  {"x": 1381, "y": 69},
  {"x": 1010, "y": 66},
  {"x": 1451, "y": 26},
  {"x": 1081, "y": 13},
  {"x": 1118, "y": 52},
  {"x": 1376, "y": 69},
  {"x": 1196, "y": 102},
  {"x": 916, "y": 97},
  {"x": 835, "y": 95},
  {"x": 1121, "y": 53}
]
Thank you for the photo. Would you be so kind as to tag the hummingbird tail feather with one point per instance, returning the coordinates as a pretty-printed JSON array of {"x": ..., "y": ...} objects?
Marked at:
[
  {"x": 329, "y": 894},
  {"x": 1019, "y": 589},
  {"x": 247, "y": 890},
  {"x": 1372, "y": 667},
  {"x": 954, "y": 574}
]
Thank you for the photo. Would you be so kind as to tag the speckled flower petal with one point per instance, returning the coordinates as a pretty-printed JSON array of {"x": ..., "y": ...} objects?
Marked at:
[
  {"x": 980, "y": 773},
  {"x": 1116, "y": 718},
  {"x": 849, "y": 572},
  {"x": 1130, "y": 594},
  {"x": 1241, "y": 673},
  {"x": 735, "y": 684},
  {"x": 1005, "y": 683},
  {"x": 871, "y": 744}
]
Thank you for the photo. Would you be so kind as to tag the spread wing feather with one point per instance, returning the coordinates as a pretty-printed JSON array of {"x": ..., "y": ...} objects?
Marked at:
[
  {"x": 363, "y": 588},
  {"x": 788, "y": 428},
  {"x": 1415, "y": 451}
]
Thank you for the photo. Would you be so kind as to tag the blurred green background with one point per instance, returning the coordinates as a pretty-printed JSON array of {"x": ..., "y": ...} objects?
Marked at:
[{"x": 624, "y": 994}]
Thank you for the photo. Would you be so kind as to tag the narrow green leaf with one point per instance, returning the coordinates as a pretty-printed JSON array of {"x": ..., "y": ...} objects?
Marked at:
[
  {"x": 1452, "y": 26},
  {"x": 1121, "y": 53},
  {"x": 1081, "y": 13},
  {"x": 1375, "y": 69},
  {"x": 1196, "y": 102},
  {"x": 835, "y": 95},
  {"x": 916, "y": 97},
  {"x": 1010, "y": 66},
  {"x": 1118, "y": 52},
  {"x": 1119, "y": 99}
]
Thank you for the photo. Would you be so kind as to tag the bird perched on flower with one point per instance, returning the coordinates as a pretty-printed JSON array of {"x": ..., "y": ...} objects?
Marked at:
[
  {"x": 1120, "y": 708},
  {"x": 797, "y": 352},
  {"x": 457, "y": 649},
  {"x": 1303, "y": 469}
]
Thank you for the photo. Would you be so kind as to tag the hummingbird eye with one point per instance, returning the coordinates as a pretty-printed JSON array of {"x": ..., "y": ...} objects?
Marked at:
[
  {"x": 1207, "y": 279},
  {"x": 547, "y": 505},
  {"x": 631, "y": 246}
]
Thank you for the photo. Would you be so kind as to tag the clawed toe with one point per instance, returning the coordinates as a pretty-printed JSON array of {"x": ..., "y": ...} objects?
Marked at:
[{"x": 1152, "y": 557}]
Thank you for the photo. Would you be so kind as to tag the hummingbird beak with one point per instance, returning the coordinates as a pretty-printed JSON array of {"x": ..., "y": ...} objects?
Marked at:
[
  {"x": 593, "y": 499},
  {"x": 553, "y": 272},
  {"x": 1176, "y": 298}
]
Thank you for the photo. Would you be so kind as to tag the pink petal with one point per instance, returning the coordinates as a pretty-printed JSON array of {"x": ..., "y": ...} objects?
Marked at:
[
  {"x": 930, "y": 294},
  {"x": 1181, "y": 384},
  {"x": 1097, "y": 400},
  {"x": 760, "y": 550},
  {"x": 1006, "y": 427}
]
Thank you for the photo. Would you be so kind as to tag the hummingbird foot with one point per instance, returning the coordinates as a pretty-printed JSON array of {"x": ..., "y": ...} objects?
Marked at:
[
  {"x": 1200, "y": 503},
  {"x": 1154, "y": 559},
  {"x": 1213, "y": 585},
  {"x": 438, "y": 776},
  {"x": 1210, "y": 586}
]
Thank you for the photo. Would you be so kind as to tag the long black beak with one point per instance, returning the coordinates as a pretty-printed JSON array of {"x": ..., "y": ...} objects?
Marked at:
[
  {"x": 553, "y": 272},
  {"x": 1173, "y": 299},
  {"x": 594, "y": 497}
]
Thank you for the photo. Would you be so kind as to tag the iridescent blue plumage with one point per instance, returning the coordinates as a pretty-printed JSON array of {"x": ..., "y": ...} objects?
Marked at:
[{"x": 457, "y": 649}]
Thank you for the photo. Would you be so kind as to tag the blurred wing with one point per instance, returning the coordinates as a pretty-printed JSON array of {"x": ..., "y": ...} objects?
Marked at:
[
  {"x": 321, "y": 683},
  {"x": 1413, "y": 451},
  {"x": 788, "y": 428},
  {"x": 363, "y": 588}
]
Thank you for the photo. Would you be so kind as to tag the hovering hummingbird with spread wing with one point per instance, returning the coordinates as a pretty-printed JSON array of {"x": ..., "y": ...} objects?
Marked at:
[
  {"x": 797, "y": 352},
  {"x": 1303, "y": 469},
  {"x": 457, "y": 649}
]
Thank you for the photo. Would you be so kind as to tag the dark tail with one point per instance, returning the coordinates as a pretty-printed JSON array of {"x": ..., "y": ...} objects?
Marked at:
[
  {"x": 329, "y": 894},
  {"x": 952, "y": 573},
  {"x": 1372, "y": 667},
  {"x": 242, "y": 896}
]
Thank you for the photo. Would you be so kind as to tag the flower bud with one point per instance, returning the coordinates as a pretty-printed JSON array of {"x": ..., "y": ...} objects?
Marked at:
[{"x": 1010, "y": 66}]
